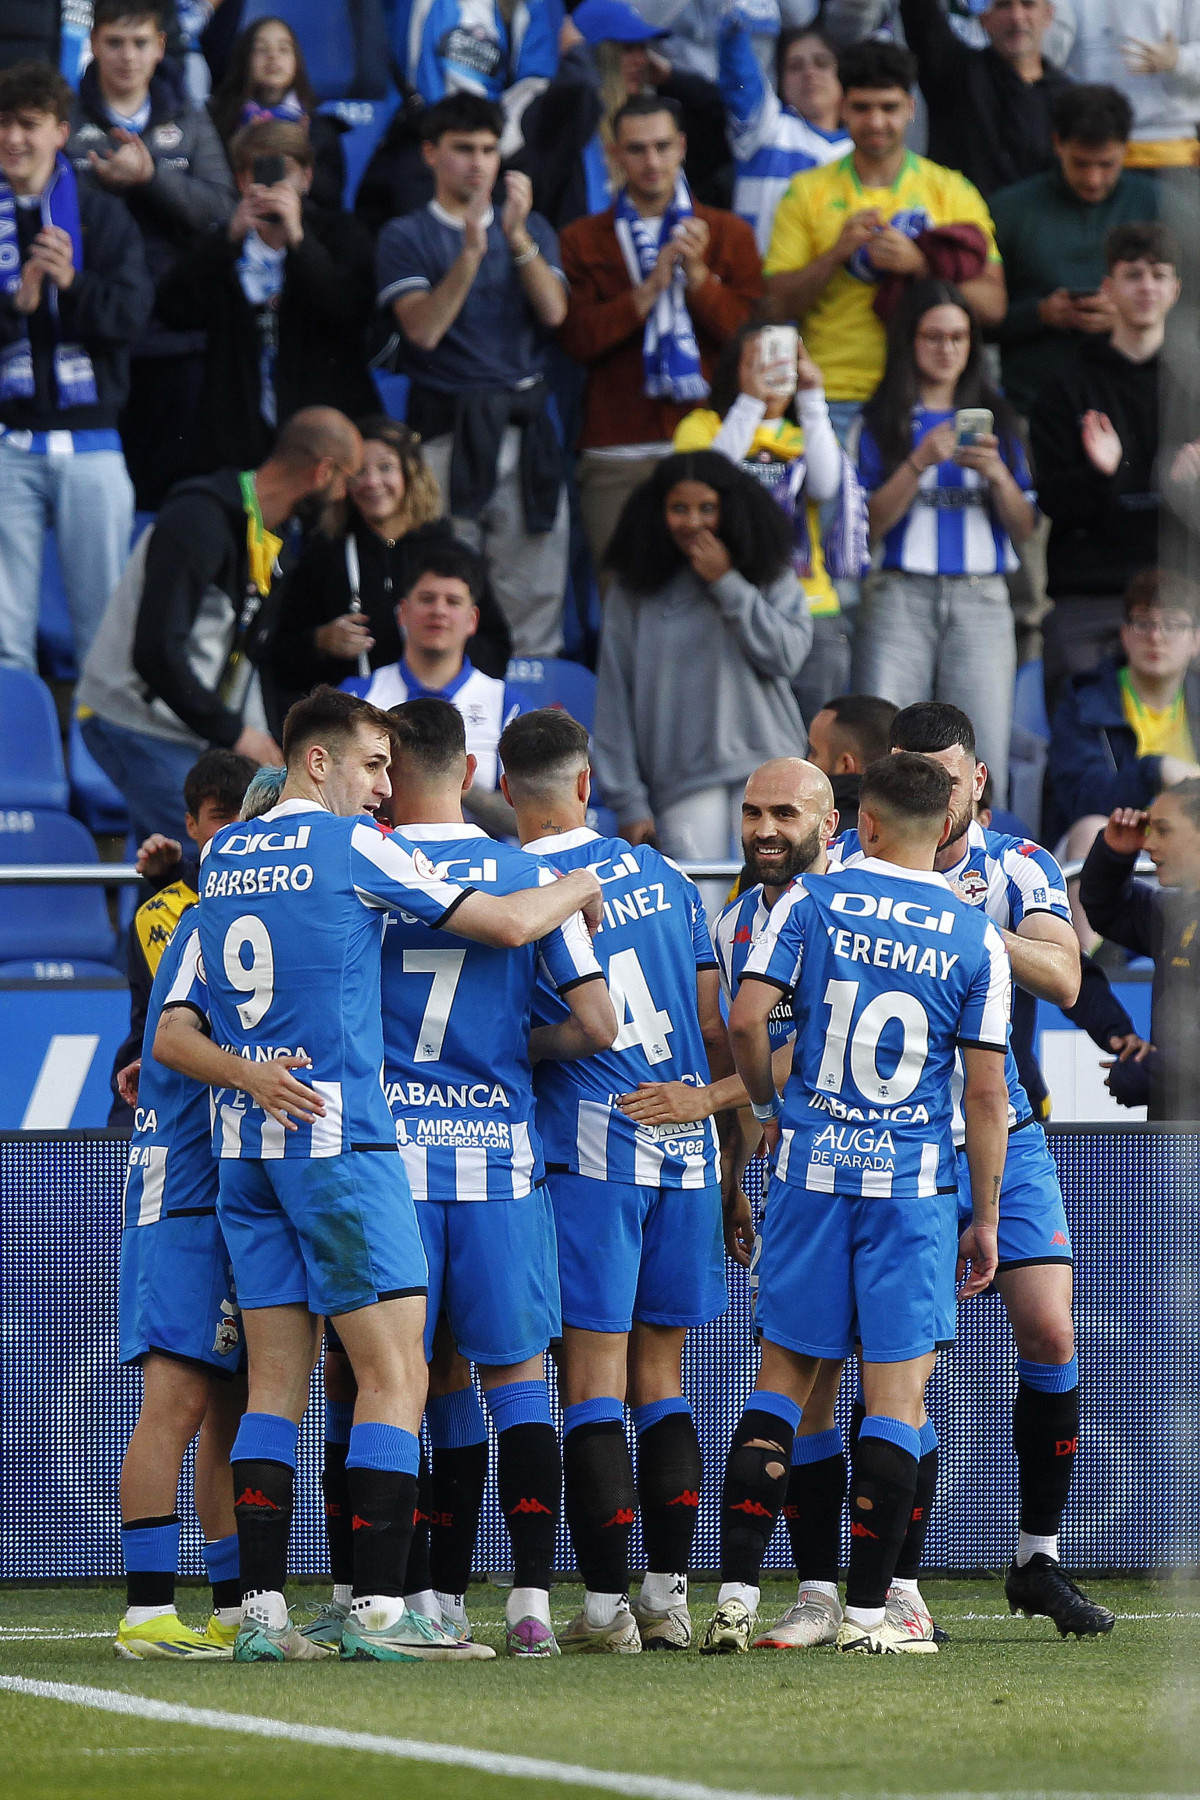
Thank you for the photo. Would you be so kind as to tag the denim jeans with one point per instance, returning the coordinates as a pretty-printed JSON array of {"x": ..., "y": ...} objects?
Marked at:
[
  {"x": 148, "y": 771},
  {"x": 87, "y": 500},
  {"x": 942, "y": 637}
]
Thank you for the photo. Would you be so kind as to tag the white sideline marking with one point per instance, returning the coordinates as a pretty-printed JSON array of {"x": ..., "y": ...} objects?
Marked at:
[
  {"x": 487, "y": 1762},
  {"x": 60, "y": 1082}
]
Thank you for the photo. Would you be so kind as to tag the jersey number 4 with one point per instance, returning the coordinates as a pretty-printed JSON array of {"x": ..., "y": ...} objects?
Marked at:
[{"x": 639, "y": 1020}]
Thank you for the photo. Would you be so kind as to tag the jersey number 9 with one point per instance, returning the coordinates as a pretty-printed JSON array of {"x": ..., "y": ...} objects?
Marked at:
[{"x": 258, "y": 981}]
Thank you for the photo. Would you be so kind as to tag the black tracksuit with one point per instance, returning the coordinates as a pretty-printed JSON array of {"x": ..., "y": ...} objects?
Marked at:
[{"x": 1163, "y": 923}]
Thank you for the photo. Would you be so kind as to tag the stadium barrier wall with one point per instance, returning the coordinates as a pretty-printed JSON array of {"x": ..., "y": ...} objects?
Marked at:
[{"x": 1133, "y": 1199}]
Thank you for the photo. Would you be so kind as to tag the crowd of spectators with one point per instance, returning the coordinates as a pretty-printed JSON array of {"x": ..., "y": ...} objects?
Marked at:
[{"x": 811, "y": 355}]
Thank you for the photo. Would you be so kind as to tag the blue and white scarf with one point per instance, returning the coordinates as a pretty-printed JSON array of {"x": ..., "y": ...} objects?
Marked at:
[
  {"x": 846, "y": 541},
  {"x": 670, "y": 353},
  {"x": 260, "y": 272},
  {"x": 74, "y": 376}
]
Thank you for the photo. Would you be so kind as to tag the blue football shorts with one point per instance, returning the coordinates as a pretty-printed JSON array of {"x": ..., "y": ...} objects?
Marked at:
[
  {"x": 332, "y": 1233},
  {"x": 647, "y": 1253},
  {"x": 493, "y": 1271},
  {"x": 177, "y": 1296},
  {"x": 1033, "y": 1221},
  {"x": 836, "y": 1269}
]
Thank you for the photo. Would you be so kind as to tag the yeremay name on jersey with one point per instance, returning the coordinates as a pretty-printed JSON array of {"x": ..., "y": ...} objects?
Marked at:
[{"x": 868, "y": 1107}]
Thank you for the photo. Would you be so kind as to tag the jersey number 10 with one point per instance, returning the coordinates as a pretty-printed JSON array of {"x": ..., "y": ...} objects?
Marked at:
[{"x": 863, "y": 1042}]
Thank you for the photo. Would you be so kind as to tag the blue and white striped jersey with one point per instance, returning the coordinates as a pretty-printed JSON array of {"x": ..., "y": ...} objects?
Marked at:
[
  {"x": 770, "y": 141},
  {"x": 888, "y": 974},
  {"x": 292, "y": 910},
  {"x": 486, "y": 703},
  {"x": 950, "y": 528},
  {"x": 738, "y": 929},
  {"x": 171, "y": 1165},
  {"x": 653, "y": 940},
  {"x": 1010, "y": 878},
  {"x": 456, "y": 1029}
]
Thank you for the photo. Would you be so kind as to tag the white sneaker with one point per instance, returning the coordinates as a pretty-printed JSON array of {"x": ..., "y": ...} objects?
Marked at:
[
  {"x": 811, "y": 1620},
  {"x": 893, "y": 1636},
  {"x": 667, "y": 1629}
]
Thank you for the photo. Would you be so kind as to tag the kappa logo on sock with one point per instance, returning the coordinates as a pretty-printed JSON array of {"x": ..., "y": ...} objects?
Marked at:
[
  {"x": 622, "y": 1516},
  {"x": 858, "y": 1529},
  {"x": 361, "y": 1524},
  {"x": 754, "y": 1508},
  {"x": 1066, "y": 1446},
  {"x": 255, "y": 1497},
  {"x": 419, "y": 1517},
  {"x": 689, "y": 1497},
  {"x": 1060, "y": 1237},
  {"x": 528, "y": 1504}
]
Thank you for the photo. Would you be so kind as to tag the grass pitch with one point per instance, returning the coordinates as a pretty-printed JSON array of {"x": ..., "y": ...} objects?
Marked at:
[{"x": 1007, "y": 1708}]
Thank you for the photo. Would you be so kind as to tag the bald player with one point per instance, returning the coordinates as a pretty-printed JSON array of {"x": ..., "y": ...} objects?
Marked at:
[{"x": 788, "y": 817}]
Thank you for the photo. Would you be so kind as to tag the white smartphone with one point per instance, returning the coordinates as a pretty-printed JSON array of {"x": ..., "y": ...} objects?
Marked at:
[
  {"x": 970, "y": 424},
  {"x": 777, "y": 348}
]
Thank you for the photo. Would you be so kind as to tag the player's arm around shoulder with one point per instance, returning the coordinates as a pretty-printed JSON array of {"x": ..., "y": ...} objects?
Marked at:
[
  {"x": 1043, "y": 947},
  {"x": 569, "y": 963},
  {"x": 511, "y": 920}
]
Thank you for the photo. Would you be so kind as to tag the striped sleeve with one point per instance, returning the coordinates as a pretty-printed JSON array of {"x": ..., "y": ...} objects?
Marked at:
[
  {"x": 722, "y": 938},
  {"x": 567, "y": 956},
  {"x": 390, "y": 875},
  {"x": 983, "y": 1022},
  {"x": 779, "y": 952},
  {"x": 189, "y": 987},
  {"x": 1035, "y": 883}
]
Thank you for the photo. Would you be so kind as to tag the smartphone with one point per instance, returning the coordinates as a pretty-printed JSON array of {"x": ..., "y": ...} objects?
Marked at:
[
  {"x": 970, "y": 424},
  {"x": 267, "y": 170},
  {"x": 777, "y": 348}
]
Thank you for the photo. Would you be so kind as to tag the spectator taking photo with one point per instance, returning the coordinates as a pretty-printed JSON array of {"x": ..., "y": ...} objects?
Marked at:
[{"x": 950, "y": 499}]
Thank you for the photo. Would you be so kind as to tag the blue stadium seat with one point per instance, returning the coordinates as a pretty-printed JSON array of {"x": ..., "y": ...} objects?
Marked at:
[
  {"x": 1029, "y": 700},
  {"x": 56, "y": 639},
  {"x": 325, "y": 35},
  {"x": 367, "y": 121},
  {"x": 552, "y": 681},
  {"x": 94, "y": 799},
  {"x": 31, "y": 758},
  {"x": 50, "y": 924},
  {"x": 1028, "y": 747},
  {"x": 54, "y": 972}
]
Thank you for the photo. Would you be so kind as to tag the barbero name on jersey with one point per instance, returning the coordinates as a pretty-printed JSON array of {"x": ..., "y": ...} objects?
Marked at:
[
  {"x": 270, "y": 878},
  {"x": 889, "y": 952},
  {"x": 641, "y": 902}
]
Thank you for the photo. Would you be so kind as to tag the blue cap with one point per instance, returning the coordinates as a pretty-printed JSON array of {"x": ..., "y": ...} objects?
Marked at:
[{"x": 612, "y": 21}]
